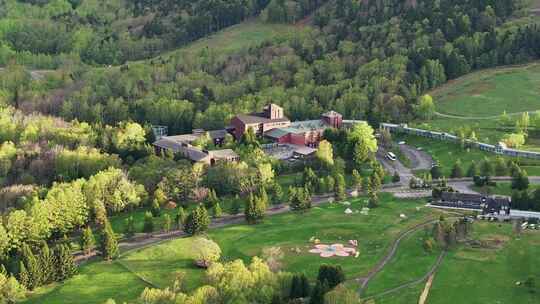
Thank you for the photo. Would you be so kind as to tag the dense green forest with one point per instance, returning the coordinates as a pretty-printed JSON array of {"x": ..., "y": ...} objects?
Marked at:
[
  {"x": 75, "y": 139},
  {"x": 368, "y": 60},
  {"x": 52, "y": 33}
]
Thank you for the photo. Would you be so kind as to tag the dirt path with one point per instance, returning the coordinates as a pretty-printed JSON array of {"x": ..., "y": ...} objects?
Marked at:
[
  {"x": 430, "y": 273},
  {"x": 480, "y": 117},
  {"x": 420, "y": 160},
  {"x": 393, "y": 249},
  {"x": 425, "y": 292}
]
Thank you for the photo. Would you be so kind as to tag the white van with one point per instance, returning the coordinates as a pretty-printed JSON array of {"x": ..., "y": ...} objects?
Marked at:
[{"x": 391, "y": 156}]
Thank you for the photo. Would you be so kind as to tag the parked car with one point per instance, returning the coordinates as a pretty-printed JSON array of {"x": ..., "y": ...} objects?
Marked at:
[{"x": 391, "y": 156}]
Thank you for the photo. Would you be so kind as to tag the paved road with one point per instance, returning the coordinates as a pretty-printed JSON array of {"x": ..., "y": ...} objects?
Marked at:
[
  {"x": 420, "y": 160},
  {"x": 144, "y": 240}
]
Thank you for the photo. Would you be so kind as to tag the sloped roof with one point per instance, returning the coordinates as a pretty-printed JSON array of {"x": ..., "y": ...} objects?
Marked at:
[
  {"x": 305, "y": 150},
  {"x": 253, "y": 119},
  {"x": 306, "y": 125},
  {"x": 223, "y": 154}
]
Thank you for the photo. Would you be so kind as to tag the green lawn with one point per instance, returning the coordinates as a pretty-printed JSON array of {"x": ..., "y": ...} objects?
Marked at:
[
  {"x": 501, "y": 188},
  {"x": 489, "y": 275},
  {"x": 447, "y": 153},
  {"x": 290, "y": 231},
  {"x": 491, "y": 92},
  {"x": 95, "y": 283},
  {"x": 410, "y": 263},
  {"x": 486, "y": 94}
]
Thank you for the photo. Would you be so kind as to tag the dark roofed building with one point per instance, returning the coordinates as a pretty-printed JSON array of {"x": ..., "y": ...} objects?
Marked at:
[{"x": 486, "y": 204}]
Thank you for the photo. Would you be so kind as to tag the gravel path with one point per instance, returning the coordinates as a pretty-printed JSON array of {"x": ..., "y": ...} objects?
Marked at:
[{"x": 420, "y": 160}]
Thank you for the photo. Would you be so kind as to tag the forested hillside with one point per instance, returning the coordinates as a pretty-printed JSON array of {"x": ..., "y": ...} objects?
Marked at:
[
  {"x": 369, "y": 60},
  {"x": 52, "y": 33}
]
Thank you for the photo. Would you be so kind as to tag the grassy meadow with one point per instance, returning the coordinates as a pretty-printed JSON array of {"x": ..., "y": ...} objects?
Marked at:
[{"x": 475, "y": 101}]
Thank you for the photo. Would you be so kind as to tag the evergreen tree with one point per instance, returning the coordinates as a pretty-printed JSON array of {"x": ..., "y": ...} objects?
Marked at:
[
  {"x": 520, "y": 181},
  {"x": 277, "y": 196},
  {"x": 180, "y": 217},
  {"x": 373, "y": 200},
  {"x": 486, "y": 168},
  {"x": 305, "y": 288},
  {"x": 317, "y": 295},
  {"x": 167, "y": 223},
  {"x": 211, "y": 199},
  {"x": 130, "y": 226},
  {"x": 32, "y": 267},
  {"x": 197, "y": 221},
  {"x": 473, "y": 169},
  {"x": 24, "y": 276},
  {"x": 357, "y": 179},
  {"x": 216, "y": 211},
  {"x": 249, "y": 209},
  {"x": 339, "y": 188},
  {"x": 332, "y": 274},
  {"x": 296, "y": 291},
  {"x": 436, "y": 171},
  {"x": 457, "y": 170},
  {"x": 46, "y": 263},
  {"x": 235, "y": 206},
  {"x": 64, "y": 264},
  {"x": 148, "y": 226},
  {"x": 396, "y": 178},
  {"x": 156, "y": 208},
  {"x": 88, "y": 241},
  {"x": 108, "y": 243}
]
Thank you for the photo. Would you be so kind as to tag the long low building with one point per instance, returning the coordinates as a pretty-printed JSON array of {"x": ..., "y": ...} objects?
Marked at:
[
  {"x": 183, "y": 145},
  {"x": 475, "y": 202},
  {"x": 499, "y": 148}
]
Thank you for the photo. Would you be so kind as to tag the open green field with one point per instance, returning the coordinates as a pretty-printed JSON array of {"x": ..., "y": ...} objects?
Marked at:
[
  {"x": 501, "y": 188},
  {"x": 488, "y": 273},
  {"x": 475, "y": 102},
  {"x": 447, "y": 153},
  {"x": 491, "y": 92},
  {"x": 328, "y": 222},
  {"x": 237, "y": 37},
  {"x": 503, "y": 258}
]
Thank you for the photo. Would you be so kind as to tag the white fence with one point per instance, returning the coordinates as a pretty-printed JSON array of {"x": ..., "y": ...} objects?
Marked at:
[{"x": 497, "y": 149}]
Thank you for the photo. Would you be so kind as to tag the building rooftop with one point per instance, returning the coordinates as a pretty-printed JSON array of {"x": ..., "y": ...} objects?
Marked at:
[
  {"x": 223, "y": 154},
  {"x": 307, "y": 125},
  {"x": 254, "y": 119},
  {"x": 305, "y": 150}
]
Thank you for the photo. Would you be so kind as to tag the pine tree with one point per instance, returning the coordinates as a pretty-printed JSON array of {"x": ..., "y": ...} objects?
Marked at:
[
  {"x": 156, "y": 208},
  {"x": 235, "y": 207},
  {"x": 130, "y": 227},
  {"x": 46, "y": 262},
  {"x": 148, "y": 226},
  {"x": 167, "y": 223},
  {"x": 249, "y": 210},
  {"x": 333, "y": 275},
  {"x": 108, "y": 244},
  {"x": 473, "y": 169},
  {"x": 180, "y": 218},
  {"x": 216, "y": 210},
  {"x": 457, "y": 170},
  {"x": 211, "y": 199},
  {"x": 87, "y": 241},
  {"x": 295, "y": 292},
  {"x": 357, "y": 179},
  {"x": 32, "y": 267},
  {"x": 339, "y": 188},
  {"x": 197, "y": 221},
  {"x": 317, "y": 295},
  {"x": 305, "y": 288},
  {"x": 24, "y": 276},
  {"x": 396, "y": 178},
  {"x": 64, "y": 264}
]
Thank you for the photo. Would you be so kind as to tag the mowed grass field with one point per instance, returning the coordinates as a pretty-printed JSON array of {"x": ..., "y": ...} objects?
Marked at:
[
  {"x": 488, "y": 272},
  {"x": 475, "y": 102},
  {"x": 447, "y": 153},
  {"x": 491, "y": 92},
  {"x": 158, "y": 264}
]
